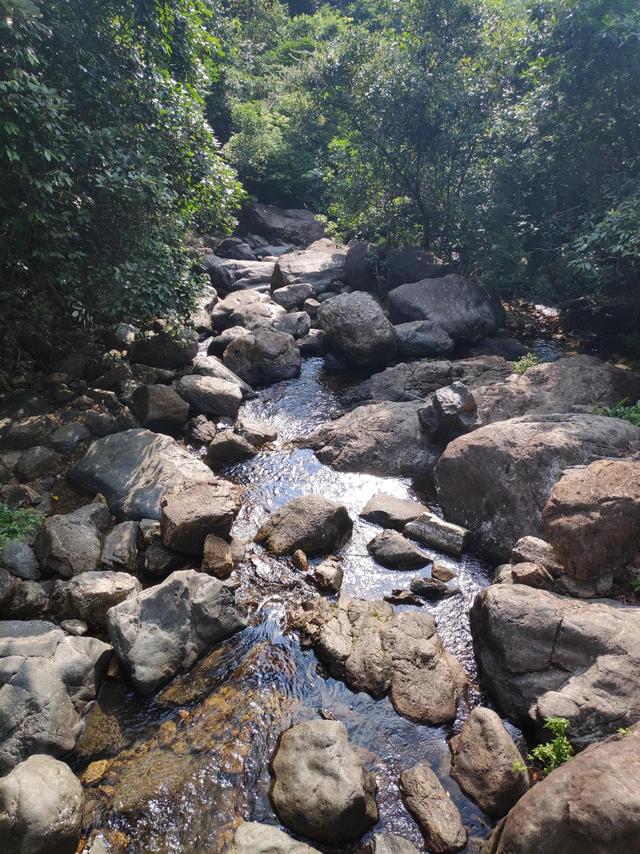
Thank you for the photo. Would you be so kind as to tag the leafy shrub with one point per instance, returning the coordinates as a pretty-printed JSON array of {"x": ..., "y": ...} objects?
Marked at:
[
  {"x": 623, "y": 410},
  {"x": 17, "y": 524},
  {"x": 525, "y": 362},
  {"x": 552, "y": 754}
]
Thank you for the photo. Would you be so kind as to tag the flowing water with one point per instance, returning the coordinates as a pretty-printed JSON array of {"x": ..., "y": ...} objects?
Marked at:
[{"x": 175, "y": 773}]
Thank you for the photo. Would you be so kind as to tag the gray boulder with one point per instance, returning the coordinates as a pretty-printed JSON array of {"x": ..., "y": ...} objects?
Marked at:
[
  {"x": 357, "y": 329},
  {"x": 165, "y": 350},
  {"x": 433, "y": 809},
  {"x": 66, "y": 438},
  {"x": 293, "y": 296},
  {"x": 589, "y": 805},
  {"x": 263, "y": 359},
  {"x": 120, "y": 547},
  {"x": 438, "y": 533},
  {"x": 318, "y": 265},
  {"x": 321, "y": 789},
  {"x": 496, "y": 480},
  {"x": 391, "y": 512},
  {"x": 296, "y": 323},
  {"x": 450, "y": 411},
  {"x": 412, "y": 264},
  {"x": 387, "y": 843},
  {"x": 393, "y": 550},
  {"x": 212, "y": 366},
  {"x": 134, "y": 469},
  {"x": 251, "y": 837},
  {"x": 220, "y": 342},
  {"x": 362, "y": 267},
  {"x": 46, "y": 679},
  {"x": 89, "y": 596},
  {"x": 227, "y": 448},
  {"x": 209, "y": 395},
  {"x": 40, "y": 808},
  {"x": 373, "y": 649},
  {"x": 189, "y": 514},
  {"x": 487, "y": 765},
  {"x": 68, "y": 545},
  {"x": 163, "y": 631},
  {"x": 159, "y": 408},
  {"x": 543, "y": 655},
  {"x": 459, "y": 306},
  {"x": 292, "y": 225},
  {"x": 250, "y": 309},
  {"x": 19, "y": 558},
  {"x": 419, "y": 338},
  {"x": 256, "y": 431},
  {"x": 311, "y": 523},
  {"x": 36, "y": 462}
]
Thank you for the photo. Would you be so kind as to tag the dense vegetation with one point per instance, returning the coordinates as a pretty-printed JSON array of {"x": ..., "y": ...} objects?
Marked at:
[{"x": 500, "y": 133}]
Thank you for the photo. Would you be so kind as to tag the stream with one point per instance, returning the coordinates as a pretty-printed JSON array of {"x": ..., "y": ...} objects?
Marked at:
[{"x": 174, "y": 774}]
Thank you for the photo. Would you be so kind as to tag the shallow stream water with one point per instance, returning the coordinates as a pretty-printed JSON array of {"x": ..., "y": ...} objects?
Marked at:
[{"x": 173, "y": 775}]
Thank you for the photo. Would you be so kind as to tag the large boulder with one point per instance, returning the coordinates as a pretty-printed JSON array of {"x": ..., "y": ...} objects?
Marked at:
[
  {"x": 321, "y": 789},
  {"x": 358, "y": 330},
  {"x": 163, "y": 631},
  {"x": 433, "y": 809},
  {"x": 319, "y": 265},
  {"x": 210, "y": 395},
  {"x": 159, "y": 408},
  {"x": 189, "y": 514},
  {"x": 120, "y": 547},
  {"x": 412, "y": 264},
  {"x": 362, "y": 267},
  {"x": 486, "y": 764},
  {"x": 592, "y": 518},
  {"x": 46, "y": 679},
  {"x": 419, "y": 338},
  {"x": 165, "y": 350},
  {"x": 252, "y": 837},
  {"x": 212, "y": 366},
  {"x": 496, "y": 480},
  {"x": 232, "y": 275},
  {"x": 391, "y": 549},
  {"x": 543, "y": 655},
  {"x": 589, "y": 805},
  {"x": 293, "y": 297},
  {"x": 251, "y": 309},
  {"x": 134, "y": 470},
  {"x": 373, "y": 649},
  {"x": 390, "y": 511},
  {"x": 459, "y": 306},
  {"x": 89, "y": 596},
  {"x": 382, "y": 438},
  {"x": 265, "y": 358},
  {"x": 67, "y": 545},
  {"x": 40, "y": 808},
  {"x": 311, "y": 523},
  {"x": 297, "y": 226},
  {"x": 571, "y": 384}
]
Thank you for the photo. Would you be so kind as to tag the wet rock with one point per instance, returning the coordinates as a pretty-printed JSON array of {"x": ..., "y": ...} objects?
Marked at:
[
  {"x": 120, "y": 547},
  {"x": 375, "y": 650},
  {"x": 293, "y": 296},
  {"x": 501, "y": 345},
  {"x": 219, "y": 344},
  {"x": 392, "y": 550},
  {"x": 544, "y": 656},
  {"x": 160, "y": 561},
  {"x": 441, "y": 572},
  {"x": 328, "y": 575},
  {"x": 228, "y": 448},
  {"x": 201, "y": 431},
  {"x": 318, "y": 265},
  {"x": 46, "y": 678},
  {"x": 19, "y": 558},
  {"x": 592, "y": 518},
  {"x": 420, "y": 338},
  {"x": 496, "y": 480},
  {"x": 20, "y": 433},
  {"x": 40, "y": 808},
  {"x": 311, "y": 523},
  {"x": 589, "y": 805},
  {"x": 412, "y": 264},
  {"x": 297, "y": 226},
  {"x": 571, "y": 384},
  {"x": 533, "y": 575},
  {"x": 387, "y": 843},
  {"x": 321, "y": 789},
  {"x": 296, "y": 323},
  {"x": 164, "y": 630},
  {"x": 358, "y": 330},
  {"x": 438, "y": 533},
  {"x": 36, "y": 462},
  {"x": 165, "y": 350},
  {"x": 212, "y": 366},
  {"x": 535, "y": 550},
  {"x": 314, "y": 344},
  {"x": 217, "y": 558},
  {"x": 160, "y": 408},
  {"x": 251, "y": 310},
  {"x": 361, "y": 267},
  {"x": 458, "y": 305},
  {"x": 382, "y": 438},
  {"x": 431, "y": 589},
  {"x": 486, "y": 763},
  {"x": 264, "y": 359},
  {"x": 66, "y": 439},
  {"x": 135, "y": 469},
  {"x": 391, "y": 512},
  {"x": 433, "y": 809},
  {"x": 89, "y": 596},
  {"x": 450, "y": 411},
  {"x": 189, "y": 514},
  {"x": 68, "y": 545},
  {"x": 251, "y": 837},
  {"x": 257, "y": 432},
  {"x": 210, "y": 396}
]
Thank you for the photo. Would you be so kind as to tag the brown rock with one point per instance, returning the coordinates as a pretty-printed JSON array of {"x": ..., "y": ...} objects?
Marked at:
[
  {"x": 435, "y": 812},
  {"x": 188, "y": 515}
]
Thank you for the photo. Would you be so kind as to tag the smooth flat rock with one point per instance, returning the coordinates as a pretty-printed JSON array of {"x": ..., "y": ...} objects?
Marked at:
[{"x": 391, "y": 512}]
